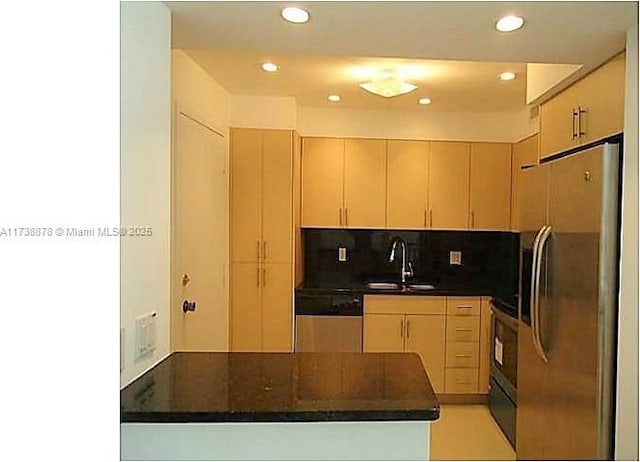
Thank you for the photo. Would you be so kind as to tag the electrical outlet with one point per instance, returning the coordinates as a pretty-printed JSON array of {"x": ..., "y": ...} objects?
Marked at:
[
  {"x": 455, "y": 257},
  {"x": 342, "y": 254}
]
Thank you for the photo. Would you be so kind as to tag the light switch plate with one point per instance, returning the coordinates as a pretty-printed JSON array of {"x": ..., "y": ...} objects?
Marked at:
[
  {"x": 145, "y": 333},
  {"x": 455, "y": 257},
  {"x": 342, "y": 254}
]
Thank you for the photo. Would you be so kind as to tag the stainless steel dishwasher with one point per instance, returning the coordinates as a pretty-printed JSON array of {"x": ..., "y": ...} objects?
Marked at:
[{"x": 327, "y": 321}]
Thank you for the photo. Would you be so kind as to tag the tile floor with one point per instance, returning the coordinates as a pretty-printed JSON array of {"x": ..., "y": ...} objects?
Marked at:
[{"x": 468, "y": 432}]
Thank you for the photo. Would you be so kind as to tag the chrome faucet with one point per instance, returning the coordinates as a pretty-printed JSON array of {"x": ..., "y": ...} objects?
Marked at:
[{"x": 407, "y": 269}]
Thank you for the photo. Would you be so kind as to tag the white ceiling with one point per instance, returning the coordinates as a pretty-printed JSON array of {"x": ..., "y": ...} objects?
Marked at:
[{"x": 452, "y": 47}]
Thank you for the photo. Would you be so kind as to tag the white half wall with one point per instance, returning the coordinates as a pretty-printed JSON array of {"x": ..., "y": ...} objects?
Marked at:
[
  {"x": 145, "y": 143},
  {"x": 497, "y": 127},
  {"x": 626, "y": 444}
]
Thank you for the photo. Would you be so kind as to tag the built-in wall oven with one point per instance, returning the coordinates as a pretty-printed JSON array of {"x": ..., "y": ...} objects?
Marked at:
[
  {"x": 504, "y": 367},
  {"x": 328, "y": 321}
]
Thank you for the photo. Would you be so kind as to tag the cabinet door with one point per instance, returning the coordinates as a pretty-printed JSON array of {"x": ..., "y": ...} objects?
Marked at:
[
  {"x": 246, "y": 309},
  {"x": 425, "y": 335},
  {"x": 365, "y": 183},
  {"x": 383, "y": 333},
  {"x": 490, "y": 188},
  {"x": 525, "y": 152},
  {"x": 277, "y": 318},
  {"x": 277, "y": 187},
  {"x": 322, "y": 182},
  {"x": 601, "y": 94},
  {"x": 407, "y": 180},
  {"x": 557, "y": 124},
  {"x": 246, "y": 194},
  {"x": 449, "y": 185}
]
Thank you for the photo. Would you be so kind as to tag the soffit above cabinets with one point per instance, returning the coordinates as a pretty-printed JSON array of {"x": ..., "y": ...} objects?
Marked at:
[{"x": 230, "y": 40}]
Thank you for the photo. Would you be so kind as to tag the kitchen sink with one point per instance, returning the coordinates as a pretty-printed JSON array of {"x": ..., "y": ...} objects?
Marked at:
[
  {"x": 420, "y": 287},
  {"x": 383, "y": 285}
]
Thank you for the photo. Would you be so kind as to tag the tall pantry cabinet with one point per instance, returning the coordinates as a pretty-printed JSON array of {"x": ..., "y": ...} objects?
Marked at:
[{"x": 262, "y": 218}]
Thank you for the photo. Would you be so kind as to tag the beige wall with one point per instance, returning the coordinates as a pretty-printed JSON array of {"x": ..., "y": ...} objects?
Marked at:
[
  {"x": 544, "y": 77},
  {"x": 498, "y": 127},
  {"x": 197, "y": 94},
  {"x": 627, "y": 395},
  {"x": 145, "y": 118},
  {"x": 263, "y": 112}
]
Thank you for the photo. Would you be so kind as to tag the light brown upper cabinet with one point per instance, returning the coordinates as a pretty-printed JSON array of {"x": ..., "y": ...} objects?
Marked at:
[
  {"x": 589, "y": 110},
  {"x": 262, "y": 239},
  {"x": 343, "y": 183},
  {"x": 490, "y": 187},
  {"x": 322, "y": 182},
  {"x": 448, "y": 185},
  {"x": 365, "y": 168},
  {"x": 525, "y": 153},
  {"x": 407, "y": 181}
]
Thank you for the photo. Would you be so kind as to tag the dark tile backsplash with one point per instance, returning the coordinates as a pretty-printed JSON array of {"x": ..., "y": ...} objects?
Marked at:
[{"x": 489, "y": 259}]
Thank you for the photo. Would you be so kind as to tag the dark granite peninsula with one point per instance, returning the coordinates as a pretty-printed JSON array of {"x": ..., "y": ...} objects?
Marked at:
[{"x": 279, "y": 406}]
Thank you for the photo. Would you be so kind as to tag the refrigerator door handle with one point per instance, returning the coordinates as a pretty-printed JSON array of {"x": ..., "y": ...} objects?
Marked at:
[
  {"x": 533, "y": 288},
  {"x": 535, "y": 315}
]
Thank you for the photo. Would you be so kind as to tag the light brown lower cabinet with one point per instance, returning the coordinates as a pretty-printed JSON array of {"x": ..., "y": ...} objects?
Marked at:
[
  {"x": 451, "y": 335},
  {"x": 261, "y": 316},
  {"x": 408, "y": 324}
]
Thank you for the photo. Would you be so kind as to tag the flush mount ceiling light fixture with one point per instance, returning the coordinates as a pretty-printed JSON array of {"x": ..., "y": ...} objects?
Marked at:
[
  {"x": 424, "y": 101},
  {"x": 509, "y": 23},
  {"x": 295, "y": 15},
  {"x": 334, "y": 98},
  {"x": 388, "y": 85},
  {"x": 506, "y": 76}
]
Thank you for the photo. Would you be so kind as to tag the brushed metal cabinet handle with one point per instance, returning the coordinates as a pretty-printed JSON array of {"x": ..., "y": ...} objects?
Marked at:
[
  {"x": 462, "y": 382},
  {"x": 258, "y": 277},
  {"x": 401, "y": 328},
  {"x": 574, "y": 134},
  {"x": 462, "y": 329},
  {"x": 408, "y": 323},
  {"x": 264, "y": 277},
  {"x": 581, "y": 111},
  {"x": 346, "y": 217},
  {"x": 264, "y": 250},
  {"x": 473, "y": 219},
  {"x": 425, "y": 218},
  {"x": 340, "y": 212},
  {"x": 430, "y": 218},
  {"x": 258, "y": 249},
  {"x": 463, "y": 355}
]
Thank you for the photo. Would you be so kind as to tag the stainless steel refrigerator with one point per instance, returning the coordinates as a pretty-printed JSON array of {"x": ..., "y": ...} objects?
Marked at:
[{"x": 569, "y": 256}]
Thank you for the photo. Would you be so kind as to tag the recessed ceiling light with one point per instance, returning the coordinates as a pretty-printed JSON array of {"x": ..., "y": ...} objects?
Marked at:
[
  {"x": 295, "y": 15},
  {"x": 269, "y": 67},
  {"x": 507, "y": 76},
  {"x": 509, "y": 23},
  {"x": 334, "y": 98},
  {"x": 424, "y": 101}
]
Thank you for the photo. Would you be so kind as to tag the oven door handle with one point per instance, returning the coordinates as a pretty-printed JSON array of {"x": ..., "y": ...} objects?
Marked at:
[{"x": 504, "y": 318}]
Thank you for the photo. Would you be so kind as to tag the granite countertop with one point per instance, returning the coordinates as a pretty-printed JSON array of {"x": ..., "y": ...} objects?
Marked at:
[
  {"x": 281, "y": 387},
  {"x": 361, "y": 288}
]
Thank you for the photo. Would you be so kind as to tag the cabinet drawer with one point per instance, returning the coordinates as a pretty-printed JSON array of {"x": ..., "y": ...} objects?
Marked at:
[
  {"x": 457, "y": 380},
  {"x": 404, "y": 304},
  {"x": 463, "y": 306},
  {"x": 462, "y": 354},
  {"x": 463, "y": 328}
]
